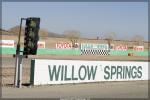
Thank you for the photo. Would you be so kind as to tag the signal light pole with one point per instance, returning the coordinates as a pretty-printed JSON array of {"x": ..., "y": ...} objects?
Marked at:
[
  {"x": 33, "y": 24},
  {"x": 18, "y": 64}
]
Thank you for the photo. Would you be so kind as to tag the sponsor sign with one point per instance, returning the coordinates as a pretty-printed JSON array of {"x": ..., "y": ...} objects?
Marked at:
[
  {"x": 119, "y": 47},
  {"x": 41, "y": 44},
  {"x": 138, "y": 48},
  {"x": 63, "y": 45},
  {"x": 7, "y": 43},
  {"x": 85, "y": 46},
  {"x": 70, "y": 71}
]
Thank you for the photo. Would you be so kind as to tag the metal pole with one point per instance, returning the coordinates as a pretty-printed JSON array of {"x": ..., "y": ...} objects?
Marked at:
[
  {"x": 18, "y": 77},
  {"x": 19, "y": 80},
  {"x": 16, "y": 71},
  {"x": 18, "y": 64},
  {"x": 20, "y": 84},
  {"x": 20, "y": 31}
]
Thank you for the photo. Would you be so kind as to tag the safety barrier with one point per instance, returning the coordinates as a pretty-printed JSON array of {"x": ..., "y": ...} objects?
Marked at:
[
  {"x": 44, "y": 71},
  {"x": 45, "y": 51},
  {"x": 59, "y": 51},
  {"x": 125, "y": 53},
  {"x": 75, "y": 52}
]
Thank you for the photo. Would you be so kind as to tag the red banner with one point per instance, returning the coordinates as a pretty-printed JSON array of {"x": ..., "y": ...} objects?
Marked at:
[
  {"x": 63, "y": 45},
  {"x": 138, "y": 48}
]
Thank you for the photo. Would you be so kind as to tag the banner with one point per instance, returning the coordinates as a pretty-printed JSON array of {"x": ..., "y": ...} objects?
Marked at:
[
  {"x": 70, "y": 71},
  {"x": 88, "y": 46},
  {"x": 41, "y": 44},
  {"x": 119, "y": 47},
  {"x": 63, "y": 45},
  {"x": 138, "y": 48},
  {"x": 7, "y": 43}
]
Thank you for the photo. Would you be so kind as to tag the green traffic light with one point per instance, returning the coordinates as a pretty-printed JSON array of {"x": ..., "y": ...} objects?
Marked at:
[
  {"x": 31, "y": 34},
  {"x": 32, "y": 24},
  {"x": 30, "y": 44}
]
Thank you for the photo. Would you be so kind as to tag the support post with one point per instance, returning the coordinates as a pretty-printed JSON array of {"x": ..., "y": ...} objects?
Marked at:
[
  {"x": 18, "y": 63},
  {"x": 19, "y": 80},
  {"x": 16, "y": 71}
]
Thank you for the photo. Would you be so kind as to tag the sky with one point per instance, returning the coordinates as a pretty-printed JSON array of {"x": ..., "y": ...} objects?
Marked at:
[{"x": 92, "y": 19}]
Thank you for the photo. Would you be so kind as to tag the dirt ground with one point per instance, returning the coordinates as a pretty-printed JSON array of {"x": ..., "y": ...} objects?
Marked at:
[
  {"x": 86, "y": 57},
  {"x": 9, "y": 73}
]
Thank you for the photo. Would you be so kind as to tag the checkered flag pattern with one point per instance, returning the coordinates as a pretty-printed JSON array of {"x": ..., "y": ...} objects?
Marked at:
[{"x": 94, "y": 52}]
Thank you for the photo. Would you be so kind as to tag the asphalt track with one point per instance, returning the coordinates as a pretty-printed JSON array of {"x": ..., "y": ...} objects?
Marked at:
[{"x": 132, "y": 89}]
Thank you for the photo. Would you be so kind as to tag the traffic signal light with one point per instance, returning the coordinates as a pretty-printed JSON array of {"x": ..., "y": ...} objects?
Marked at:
[{"x": 31, "y": 36}]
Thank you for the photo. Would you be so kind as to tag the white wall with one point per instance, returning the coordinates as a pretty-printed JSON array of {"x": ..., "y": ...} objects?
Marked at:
[{"x": 75, "y": 71}]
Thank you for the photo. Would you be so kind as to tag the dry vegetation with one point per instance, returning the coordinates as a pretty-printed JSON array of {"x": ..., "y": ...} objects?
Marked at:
[
  {"x": 51, "y": 41},
  {"x": 72, "y": 36}
]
